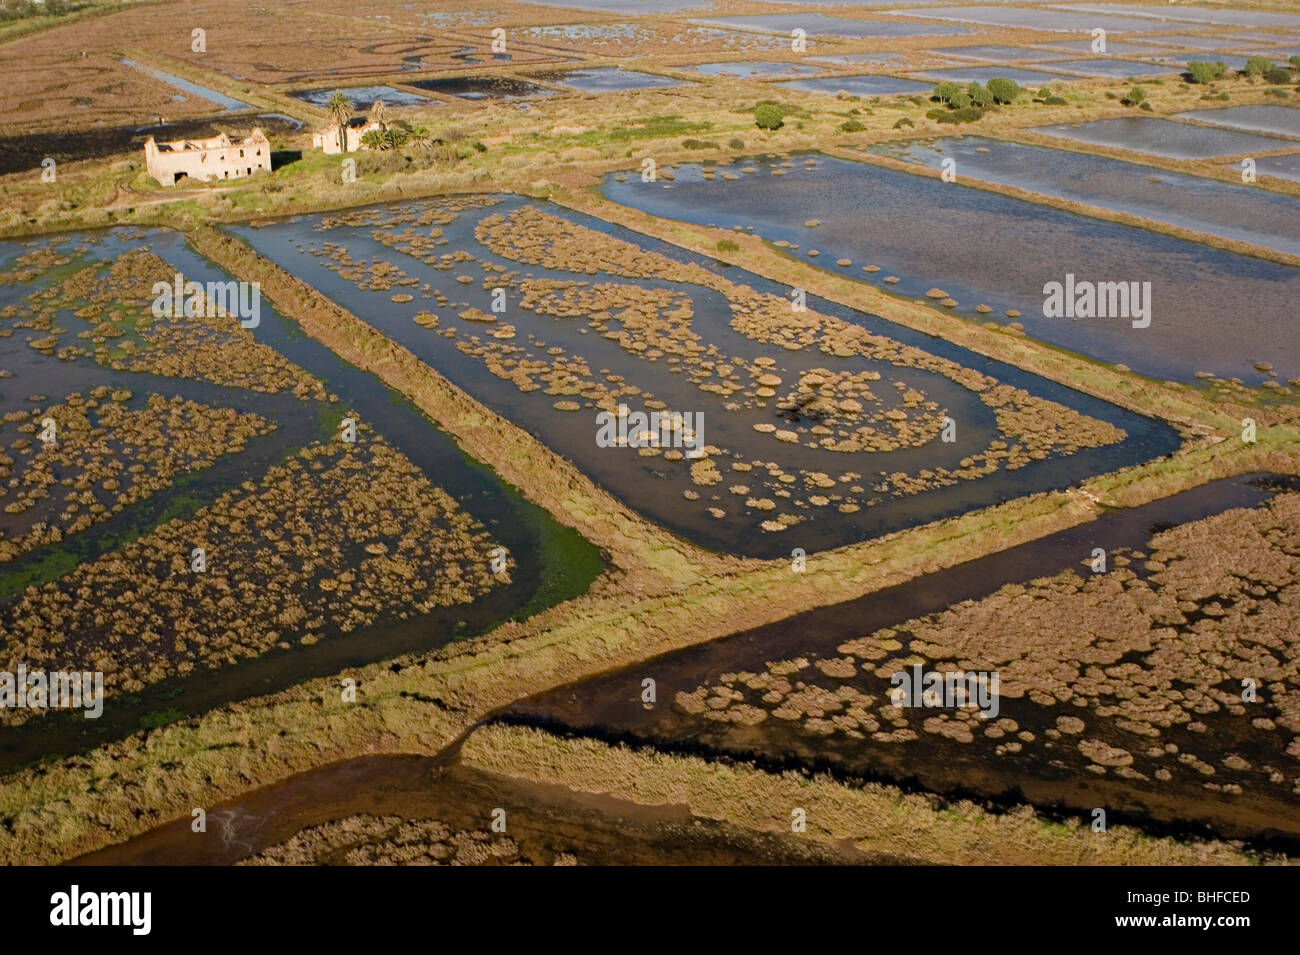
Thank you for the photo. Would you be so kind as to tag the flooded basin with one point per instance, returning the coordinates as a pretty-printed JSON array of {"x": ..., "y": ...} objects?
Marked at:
[
  {"x": 799, "y": 443},
  {"x": 1278, "y": 120},
  {"x": 928, "y": 234},
  {"x": 860, "y": 85},
  {"x": 484, "y": 87},
  {"x": 1057, "y": 21},
  {"x": 1283, "y": 167},
  {"x": 1202, "y": 43},
  {"x": 1193, "y": 202},
  {"x": 550, "y": 563},
  {"x": 814, "y": 691},
  {"x": 202, "y": 92},
  {"x": 1112, "y": 46},
  {"x": 1120, "y": 68},
  {"x": 607, "y": 79},
  {"x": 1226, "y": 17},
  {"x": 362, "y": 97},
  {"x": 749, "y": 68},
  {"x": 1164, "y": 137},
  {"x": 855, "y": 59},
  {"x": 994, "y": 53},
  {"x": 818, "y": 24},
  {"x": 650, "y": 36}
]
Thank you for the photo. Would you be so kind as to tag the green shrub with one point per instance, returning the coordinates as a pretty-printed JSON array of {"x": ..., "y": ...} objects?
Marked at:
[
  {"x": 1055, "y": 101},
  {"x": 1136, "y": 96},
  {"x": 1004, "y": 90},
  {"x": 852, "y": 126},
  {"x": 728, "y": 245},
  {"x": 1295, "y": 61},
  {"x": 1277, "y": 75},
  {"x": 979, "y": 95},
  {"x": 735, "y": 142},
  {"x": 904, "y": 123},
  {"x": 1148, "y": 107},
  {"x": 1257, "y": 66},
  {"x": 698, "y": 144},
  {"x": 965, "y": 114},
  {"x": 768, "y": 116},
  {"x": 1203, "y": 72}
]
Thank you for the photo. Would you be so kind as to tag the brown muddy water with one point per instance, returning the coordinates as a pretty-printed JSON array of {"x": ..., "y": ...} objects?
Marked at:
[
  {"x": 546, "y": 821},
  {"x": 610, "y": 706},
  {"x": 553, "y": 563}
]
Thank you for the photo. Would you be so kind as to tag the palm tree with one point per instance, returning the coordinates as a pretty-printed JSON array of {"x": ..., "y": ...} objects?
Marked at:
[
  {"x": 379, "y": 112},
  {"x": 421, "y": 137},
  {"x": 339, "y": 108}
]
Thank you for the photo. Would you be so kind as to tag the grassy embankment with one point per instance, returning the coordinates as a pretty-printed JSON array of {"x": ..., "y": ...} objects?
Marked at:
[{"x": 881, "y": 821}]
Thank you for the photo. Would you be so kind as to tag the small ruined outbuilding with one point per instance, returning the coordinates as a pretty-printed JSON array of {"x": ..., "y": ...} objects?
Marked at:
[
  {"x": 328, "y": 138},
  {"x": 218, "y": 157}
]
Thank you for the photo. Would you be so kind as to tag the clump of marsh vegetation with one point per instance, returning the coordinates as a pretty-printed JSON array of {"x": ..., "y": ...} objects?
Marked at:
[
  {"x": 768, "y": 116},
  {"x": 1277, "y": 75},
  {"x": 969, "y": 104},
  {"x": 1257, "y": 66},
  {"x": 391, "y": 840},
  {"x": 1137, "y": 96},
  {"x": 1204, "y": 72}
]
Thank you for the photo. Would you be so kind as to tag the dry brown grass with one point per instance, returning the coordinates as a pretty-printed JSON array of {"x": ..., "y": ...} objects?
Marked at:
[{"x": 879, "y": 820}]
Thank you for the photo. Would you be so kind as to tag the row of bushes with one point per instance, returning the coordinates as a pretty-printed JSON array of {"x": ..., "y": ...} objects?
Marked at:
[
  {"x": 967, "y": 105},
  {"x": 1202, "y": 71},
  {"x": 1000, "y": 90}
]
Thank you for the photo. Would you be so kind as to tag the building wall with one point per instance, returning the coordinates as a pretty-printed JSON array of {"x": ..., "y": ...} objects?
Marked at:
[
  {"x": 327, "y": 139},
  {"x": 208, "y": 159}
]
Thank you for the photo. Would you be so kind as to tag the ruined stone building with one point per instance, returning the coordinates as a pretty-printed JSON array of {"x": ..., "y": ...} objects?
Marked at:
[
  {"x": 219, "y": 157},
  {"x": 328, "y": 138}
]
